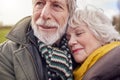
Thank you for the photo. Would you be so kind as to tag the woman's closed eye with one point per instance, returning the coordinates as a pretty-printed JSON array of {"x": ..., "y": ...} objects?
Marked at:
[{"x": 80, "y": 33}]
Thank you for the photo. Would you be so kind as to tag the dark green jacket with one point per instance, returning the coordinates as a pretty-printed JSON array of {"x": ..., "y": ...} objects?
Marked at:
[{"x": 16, "y": 55}]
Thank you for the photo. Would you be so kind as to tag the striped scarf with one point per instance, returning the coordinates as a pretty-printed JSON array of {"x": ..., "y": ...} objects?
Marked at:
[{"x": 58, "y": 59}]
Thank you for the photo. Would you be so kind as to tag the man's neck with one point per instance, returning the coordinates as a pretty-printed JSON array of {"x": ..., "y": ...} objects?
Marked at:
[{"x": 56, "y": 44}]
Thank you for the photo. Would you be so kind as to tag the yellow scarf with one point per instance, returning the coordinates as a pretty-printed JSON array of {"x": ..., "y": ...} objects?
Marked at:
[{"x": 96, "y": 55}]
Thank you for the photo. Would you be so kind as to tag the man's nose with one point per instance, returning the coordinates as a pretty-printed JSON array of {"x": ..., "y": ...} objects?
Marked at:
[{"x": 45, "y": 13}]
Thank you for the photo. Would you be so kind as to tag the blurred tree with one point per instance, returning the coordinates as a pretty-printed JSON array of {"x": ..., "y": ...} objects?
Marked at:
[
  {"x": 116, "y": 22},
  {"x": 116, "y": 18}
]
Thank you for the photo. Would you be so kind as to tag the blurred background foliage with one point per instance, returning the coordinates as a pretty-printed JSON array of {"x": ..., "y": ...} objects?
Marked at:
[{"x": 4, "y": 30}]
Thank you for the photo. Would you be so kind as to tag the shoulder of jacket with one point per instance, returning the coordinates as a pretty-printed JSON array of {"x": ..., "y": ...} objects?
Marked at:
[
  {"x": 24, "y": 21},
  {"x": 18, "y": 32},
  {"x": 8, "y": 47}
]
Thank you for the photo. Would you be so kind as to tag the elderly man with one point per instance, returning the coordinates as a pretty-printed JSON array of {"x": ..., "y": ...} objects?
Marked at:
[{"x": 23, "y": 58}]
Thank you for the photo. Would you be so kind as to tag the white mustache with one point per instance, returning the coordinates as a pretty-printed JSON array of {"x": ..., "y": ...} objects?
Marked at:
[{"x": 47, "y": 23}]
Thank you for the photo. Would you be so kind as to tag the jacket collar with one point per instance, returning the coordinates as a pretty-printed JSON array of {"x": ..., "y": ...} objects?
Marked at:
[{"x": 18, "y": 33}]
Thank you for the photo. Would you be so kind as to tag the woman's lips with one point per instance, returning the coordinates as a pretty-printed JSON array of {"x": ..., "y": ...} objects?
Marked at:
[{"x": 77, "y": 50}]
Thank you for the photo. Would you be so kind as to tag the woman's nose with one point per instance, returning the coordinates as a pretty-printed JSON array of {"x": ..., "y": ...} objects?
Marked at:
[{"x": 72, "y": 41}]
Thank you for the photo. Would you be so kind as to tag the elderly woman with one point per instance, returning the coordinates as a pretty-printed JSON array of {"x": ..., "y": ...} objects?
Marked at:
[{"x": 95, "y": 44}]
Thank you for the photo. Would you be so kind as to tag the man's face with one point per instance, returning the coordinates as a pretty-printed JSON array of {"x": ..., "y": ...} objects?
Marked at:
[{"x": 49, "y": 19}]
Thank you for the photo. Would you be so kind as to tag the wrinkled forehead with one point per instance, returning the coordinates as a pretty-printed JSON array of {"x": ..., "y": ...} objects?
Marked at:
[
  {"x": 76, "y": 26},
  {"x": 77, "y": 23}
]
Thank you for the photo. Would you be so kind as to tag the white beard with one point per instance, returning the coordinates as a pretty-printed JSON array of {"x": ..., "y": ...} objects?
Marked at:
[{"x": 48, "y": 38}]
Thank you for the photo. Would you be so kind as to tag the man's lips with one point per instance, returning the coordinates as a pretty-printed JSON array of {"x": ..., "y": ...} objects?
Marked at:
[
  {"x": 46, "y": 27},
  {"x": 76, "y": 50}
]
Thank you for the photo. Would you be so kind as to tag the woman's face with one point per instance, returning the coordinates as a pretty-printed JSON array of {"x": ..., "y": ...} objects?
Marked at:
[{"x": 81, "y": 42}]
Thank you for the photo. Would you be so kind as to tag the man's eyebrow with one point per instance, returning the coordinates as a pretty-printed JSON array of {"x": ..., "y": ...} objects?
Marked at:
[{"x": 59, "y": 1}]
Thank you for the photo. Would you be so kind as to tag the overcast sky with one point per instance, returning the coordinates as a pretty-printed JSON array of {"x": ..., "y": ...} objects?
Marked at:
[
  {"x": 110, "y": 7},
  {"x": 14, "y": 10}
]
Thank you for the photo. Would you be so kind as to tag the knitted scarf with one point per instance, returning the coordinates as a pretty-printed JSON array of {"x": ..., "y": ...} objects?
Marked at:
[
  {"x": 94, "y": 57},
  {"x": 58, "y": 59}
]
